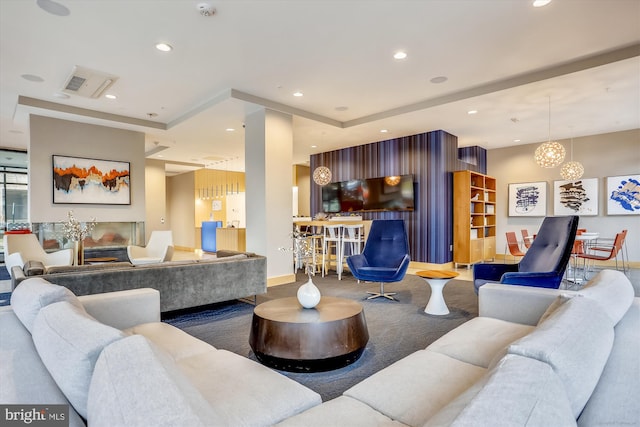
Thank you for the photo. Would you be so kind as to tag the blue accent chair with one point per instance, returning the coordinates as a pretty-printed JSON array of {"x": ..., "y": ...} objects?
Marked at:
[
  {"x": 544, "y": 263},
  {"x": 385, "y": 257}
]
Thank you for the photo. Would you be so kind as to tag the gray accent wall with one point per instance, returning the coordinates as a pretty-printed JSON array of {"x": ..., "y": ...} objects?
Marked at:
[{"x": 51, "y": 136}]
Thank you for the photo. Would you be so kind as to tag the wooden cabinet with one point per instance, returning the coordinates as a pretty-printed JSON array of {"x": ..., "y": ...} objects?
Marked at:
[{"x": 474, "y": 217}]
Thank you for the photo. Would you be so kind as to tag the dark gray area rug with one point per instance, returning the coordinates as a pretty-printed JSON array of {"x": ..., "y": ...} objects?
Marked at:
[{"x": 396, "y": 329}]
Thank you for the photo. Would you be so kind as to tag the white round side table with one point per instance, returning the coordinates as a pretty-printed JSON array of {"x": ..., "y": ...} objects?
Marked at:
[{"x": 437, "y": 279}]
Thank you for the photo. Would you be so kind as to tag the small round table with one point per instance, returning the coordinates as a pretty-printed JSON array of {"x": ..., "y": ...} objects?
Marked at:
[
  {"x": 286, "y": 336},
  {"x": 437, "y": 279}
]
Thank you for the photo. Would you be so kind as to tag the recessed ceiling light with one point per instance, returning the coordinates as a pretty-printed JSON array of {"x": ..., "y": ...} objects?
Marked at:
[
  {"x": 298, "y": 93},
  {"x": 110, "y": 96},
  {"x": 314, "y": 146},
  {"x": 472, "y": 112},
  {"x": 384, "y": 130},
  {"x": 61, "y": 95},
  {"x": 53, "y": 7},
  {"x": 540, "y": 3},
  {"x": 400, "y": 55},
  {"x": 516, "y": 140},
  {"x": 229, "y": 129},
  {"x": 32, "y": 78},
  {"x": 439, "y": 79},
  {"x": 159, "y": 155},
  {"x": 164, "y": 47}
]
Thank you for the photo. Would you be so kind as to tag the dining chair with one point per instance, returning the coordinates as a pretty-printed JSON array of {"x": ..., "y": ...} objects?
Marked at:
[
  {"x": 526, "y": 239},
  {"x": 352, "y": 240},
  {"x": 604, "y": 252},
  {"x": 331, "y": 248},
  {"x": 513, "y": 246}
]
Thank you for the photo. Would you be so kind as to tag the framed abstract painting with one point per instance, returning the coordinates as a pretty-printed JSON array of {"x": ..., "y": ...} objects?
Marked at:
[
  {"x": 579, "y": 197},
  {"x": 528, "y": 199},
  {"x": 79, "y": 180},
  {"x": 623, "y": 195}
]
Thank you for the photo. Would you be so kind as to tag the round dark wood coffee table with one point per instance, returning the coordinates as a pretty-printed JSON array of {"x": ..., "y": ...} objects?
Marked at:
[{"x": 288, "y": 337}]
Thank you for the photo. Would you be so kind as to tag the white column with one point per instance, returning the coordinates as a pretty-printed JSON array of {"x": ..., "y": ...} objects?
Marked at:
[{"x": 269, "y": 177}]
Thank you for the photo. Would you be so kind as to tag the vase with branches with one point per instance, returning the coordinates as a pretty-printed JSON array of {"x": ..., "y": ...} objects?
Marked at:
[
  {"x": 308, "y": 294},
  {"x": 76, "y": 232}
]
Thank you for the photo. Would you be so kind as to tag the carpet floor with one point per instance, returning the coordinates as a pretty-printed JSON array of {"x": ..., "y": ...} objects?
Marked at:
[{"x": 396, "y": 329}]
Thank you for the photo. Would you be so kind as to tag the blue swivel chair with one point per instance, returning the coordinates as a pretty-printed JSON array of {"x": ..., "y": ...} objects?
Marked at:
[
  {"x": 544, "y": 263},
  {"x": 385, "y": 257}
]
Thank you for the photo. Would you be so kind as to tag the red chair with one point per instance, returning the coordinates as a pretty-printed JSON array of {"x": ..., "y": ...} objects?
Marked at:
[
  {"x": 513, "y": 246},
  {"x": 604, "y": 252},
  {"x": 526, "y": 239}
]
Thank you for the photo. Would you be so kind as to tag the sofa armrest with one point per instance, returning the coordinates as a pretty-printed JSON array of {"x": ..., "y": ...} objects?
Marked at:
[
  {"x": 17, "y": 276},
  {"x": 513, "y": 303},
  {"x": 124, "y": 309}
]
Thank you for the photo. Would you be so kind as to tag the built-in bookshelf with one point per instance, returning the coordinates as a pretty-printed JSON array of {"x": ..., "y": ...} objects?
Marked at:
[{"x": 474, "y": 217}]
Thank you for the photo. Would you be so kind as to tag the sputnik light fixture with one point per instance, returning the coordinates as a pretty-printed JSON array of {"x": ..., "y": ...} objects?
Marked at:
[
  {"x": 551, "y": 153},
  {"x": 572, "y": 170}
]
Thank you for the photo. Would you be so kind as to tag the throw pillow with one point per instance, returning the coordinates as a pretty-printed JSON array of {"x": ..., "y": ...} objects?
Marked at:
[
  {"x": 33, "y": 268},
  {"x": 560, "y": 299},
  {"x": 135, "y": 383},
  {"x": 31, "y": 295},
  {"x": 69, "y": 342}
]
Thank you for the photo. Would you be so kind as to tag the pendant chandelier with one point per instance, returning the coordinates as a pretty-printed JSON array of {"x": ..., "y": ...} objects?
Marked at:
[
  {"x": 572, "y": 170},
  {"x": 322, "y": 175},
  {"x": 551, "y": 153}
]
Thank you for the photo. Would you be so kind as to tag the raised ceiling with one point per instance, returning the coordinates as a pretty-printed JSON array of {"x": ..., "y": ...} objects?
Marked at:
[{"x": 503, "y": 58}]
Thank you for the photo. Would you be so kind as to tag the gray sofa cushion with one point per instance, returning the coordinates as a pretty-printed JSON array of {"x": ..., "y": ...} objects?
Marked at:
[
  {"x": 518, "y": 392},
  {"x": 575, "y": 341},
  {"x": 69, "y": 342},
  {"x": 33, "y": 294},
  {"x": 613, "y": 291},
  {"x": 136, "y": 384},
  {"x": 614, "y": 402}
]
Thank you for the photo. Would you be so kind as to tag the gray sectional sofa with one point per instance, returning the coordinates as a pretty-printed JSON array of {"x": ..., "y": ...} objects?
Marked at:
[
  {"x": 117, "y": 365},
  {"x": 182, "y": 284},
  {"x": 534, "y": 357}
]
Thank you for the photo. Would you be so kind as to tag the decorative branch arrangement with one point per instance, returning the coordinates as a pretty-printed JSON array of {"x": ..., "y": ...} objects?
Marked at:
[{"x": 74, "y": 230}]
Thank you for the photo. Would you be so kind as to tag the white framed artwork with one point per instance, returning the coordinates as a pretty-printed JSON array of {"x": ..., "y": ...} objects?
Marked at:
[
  {"x": 577, "y": 197},
  {"x": 528, "y": 199},
  {"x": 623, "y": 195}
]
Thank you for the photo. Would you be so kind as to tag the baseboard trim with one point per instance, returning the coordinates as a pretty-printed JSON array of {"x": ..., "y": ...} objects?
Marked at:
[{"x": 281, "y": 280}]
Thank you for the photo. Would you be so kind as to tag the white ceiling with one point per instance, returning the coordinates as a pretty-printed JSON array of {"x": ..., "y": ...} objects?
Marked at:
[{"x": 504, "y": 58}]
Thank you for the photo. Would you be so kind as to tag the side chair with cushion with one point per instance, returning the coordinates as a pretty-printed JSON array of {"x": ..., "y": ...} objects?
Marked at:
[
  {"x": 385, "y": 257},
  {"x": 158, "y": 249},
  {"x": 544, "y": 263},
  {"x": 21, "y": 248}
]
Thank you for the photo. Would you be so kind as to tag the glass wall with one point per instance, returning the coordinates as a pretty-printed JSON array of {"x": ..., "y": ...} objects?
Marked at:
[{"x": 14, "y": 187}]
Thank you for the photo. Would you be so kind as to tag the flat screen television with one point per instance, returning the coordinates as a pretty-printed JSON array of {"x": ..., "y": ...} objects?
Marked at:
[{"x": 387, "y": 193}]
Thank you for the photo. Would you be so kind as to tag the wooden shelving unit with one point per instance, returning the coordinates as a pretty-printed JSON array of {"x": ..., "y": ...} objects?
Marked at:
[{"x": 474, "y": 217}]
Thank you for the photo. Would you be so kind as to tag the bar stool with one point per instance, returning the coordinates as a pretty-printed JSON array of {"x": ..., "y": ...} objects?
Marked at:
[
  {"x": 353, "y": 239},
  {"x": 331, "y": 244}
]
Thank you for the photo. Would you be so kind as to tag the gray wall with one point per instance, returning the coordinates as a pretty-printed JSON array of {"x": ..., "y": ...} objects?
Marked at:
[
  {"x": 53, "y": 136},
  {"x": 603, "y": 155}
]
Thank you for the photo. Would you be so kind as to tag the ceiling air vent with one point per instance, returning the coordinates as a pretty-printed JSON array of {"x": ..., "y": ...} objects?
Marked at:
[{"x": 88, "y": 83}]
